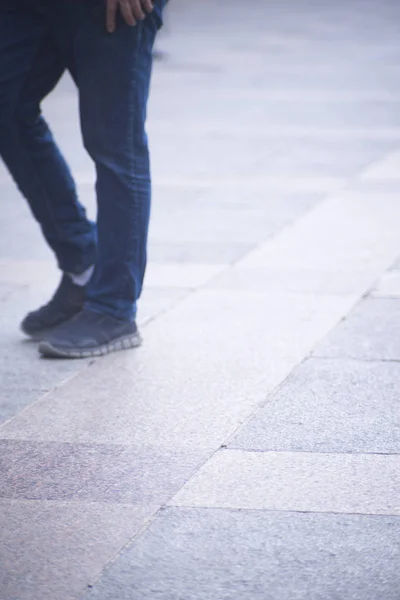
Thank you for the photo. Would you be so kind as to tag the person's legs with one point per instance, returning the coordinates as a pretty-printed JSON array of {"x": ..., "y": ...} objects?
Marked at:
[
  {"x": 30, "y": 67},
  {"x": 113, "y": 76},
  {"x": 113, "y": 72}
]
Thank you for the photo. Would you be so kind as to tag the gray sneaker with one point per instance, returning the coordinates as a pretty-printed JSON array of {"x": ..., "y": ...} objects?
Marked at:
[
  {"x": 67, "y": 301},
  {"x": 90, "y": 334}
]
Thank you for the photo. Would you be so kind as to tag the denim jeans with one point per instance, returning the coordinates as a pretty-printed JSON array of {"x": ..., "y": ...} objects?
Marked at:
[{"x": 39, "y": 40}]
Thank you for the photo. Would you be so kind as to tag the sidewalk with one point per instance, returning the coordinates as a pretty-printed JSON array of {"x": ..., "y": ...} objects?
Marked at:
[{"x": 251, "y": 448}]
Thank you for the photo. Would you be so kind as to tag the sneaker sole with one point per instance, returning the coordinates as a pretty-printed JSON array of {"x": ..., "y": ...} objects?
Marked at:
[{"x": 47, "y": 350}]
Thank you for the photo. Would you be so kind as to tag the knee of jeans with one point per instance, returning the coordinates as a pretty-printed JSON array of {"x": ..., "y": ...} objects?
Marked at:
[
  {"x": 116, "y": 152},
  {"x": 94, "y": 144}
]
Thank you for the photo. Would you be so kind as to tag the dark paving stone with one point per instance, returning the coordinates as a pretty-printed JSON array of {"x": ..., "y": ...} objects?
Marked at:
[
  {"x": 330, "y": 406},
  {"x": 89, "y": 472},
  {"x": 23, "y": 377},
  {"x": 51, "y": 550},
  {"x": 22, "y": 383},
  {"x": 226, "y": 555},
  {"x": 371, "y": 332}
]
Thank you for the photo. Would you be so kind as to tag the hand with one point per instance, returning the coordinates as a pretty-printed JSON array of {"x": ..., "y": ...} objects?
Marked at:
[{"x": 132, "y": 11}]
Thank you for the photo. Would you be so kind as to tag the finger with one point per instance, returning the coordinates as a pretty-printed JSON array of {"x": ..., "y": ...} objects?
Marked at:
[
  {"x": 127, "y": 12},
  {"x": 111, "y": 15},
  {"x": 148, "y": 5},
  {"x": 137, "y": 9}
]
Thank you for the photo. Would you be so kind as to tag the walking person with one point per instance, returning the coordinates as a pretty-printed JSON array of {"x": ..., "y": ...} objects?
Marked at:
[{"x": 106, "y": 45}]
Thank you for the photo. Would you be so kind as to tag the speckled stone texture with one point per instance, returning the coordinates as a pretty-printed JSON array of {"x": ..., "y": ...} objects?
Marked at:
[
  {"x": 267, "y": 386},
  {"x": 206, "y": 554}
]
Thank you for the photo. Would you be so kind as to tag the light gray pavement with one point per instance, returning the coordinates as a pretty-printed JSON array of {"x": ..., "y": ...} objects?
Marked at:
[{"x": 251, "y": 448}]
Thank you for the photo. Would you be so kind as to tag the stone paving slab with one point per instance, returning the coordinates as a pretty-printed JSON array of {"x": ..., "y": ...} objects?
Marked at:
[
  {"x": 203, "y": 252},
  {"x": 218, "y": 224},
  {"x": 230, "y": 155},
  {"x": 45, "y": 274},
  {"x": 294, "y": 280},
  {"x": 256, "y": 184},
  {"x": 5, "y": 291},
  {"x": 350, "y": 231},
  {"x": 157, "y": 301},
  {"x": 296, "y": 481},
  {"x": 388, "y": 285},
  {"x": 279, "y": 83},
  {"x": 396, "y": 266},
  {"x": 330, "y": 406},
  {"x": 256, "y": 131},
  {"x": 279, "y": 50},
  {"x": 251, "y": 92},
  {"x": 282, "y": 206},
  {"x": 180, "y": 275},
  {"x": 92, "y": 472},
  {"x": 301, "y": 114},
  {"x": 203, "y": 368},
  {"x": 387, "y": 169},
  {"x": 375, "y": 186},
  {"x": 54, "y": 549},
  {"x": 24, "y": 378},
  {"x": 26, "y": 272},
  {"x": 370, "y": 332},
  {"x": 253, "y": 555}
]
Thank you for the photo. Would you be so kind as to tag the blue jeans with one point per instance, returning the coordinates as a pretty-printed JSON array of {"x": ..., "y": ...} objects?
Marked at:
[{"x": 39, "y": 40}]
